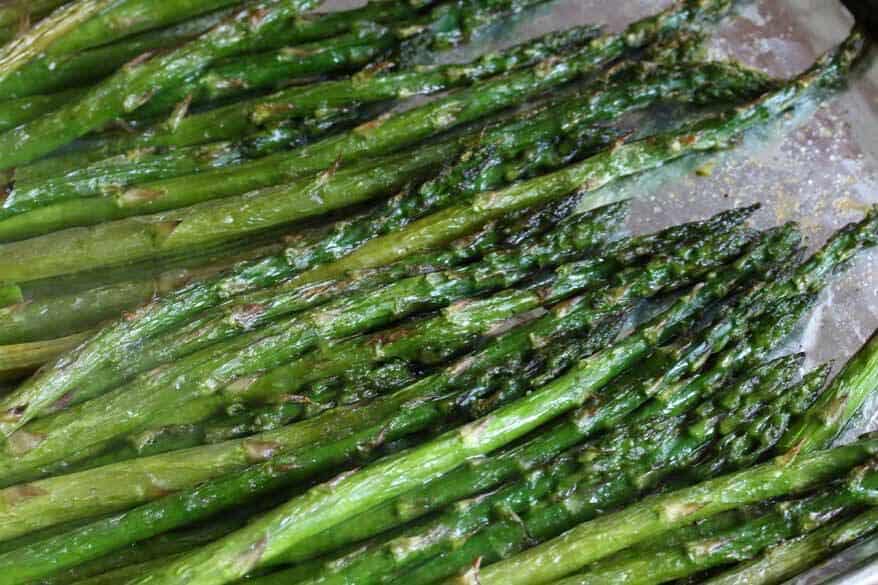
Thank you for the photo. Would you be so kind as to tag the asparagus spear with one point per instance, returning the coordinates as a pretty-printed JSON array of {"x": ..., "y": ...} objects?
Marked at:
[
  {"x": 338, "y": 424},
  {"x": 95, "y": 539},
  {"x": 367, "y": 42},
  {"x": 17, "y": 111},
  {"x": 655, "y": 516},
  {"x": 248, "y": 349},
  {"x": 10, "y": 294},
  {"x": 439, "y": 547},
  {"x": 133, "y": 85},
  {"x": 139, "y": 238},
  {"x": 485, "y": 474},
  {"x": 30, "y": 195},
  {"x": 106, "y": 181},
  {"x": 597, "y": 171},
  {"x": 226, "y": 122},
  {"x": 14, "y": 16},
  {"x": 49, "y": 75},
  {"x": 792, "y": 557},
  {"x": 333, "y": 503},
  {"x": 654, "y": 563},
  {"x": 19, "y": 360},
  {"x": 47, "y": 32},
  {"x": 637, "y": 282},
  {"x": 188, "y": 302},
  {"x": 838, "y": 405},
  {"x": 247, "y": 312}
]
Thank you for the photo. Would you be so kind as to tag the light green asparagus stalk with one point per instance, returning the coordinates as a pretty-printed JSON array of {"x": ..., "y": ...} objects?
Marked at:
[
  {"x": 166, "y": 314},
  {"x": 691, "y": 550},
  {"x": 792, "y": 557},
  {"x": 50, "y": 75},
  {"x": 132, "y": 88},
  {"x": 335, "y": 502},
  {"x": 336, "y": 425},
  {"x": 135, "y": 84},
  {"x": 20, "y": 359},
  {"x": 642, "y": 453},
  {"x": 48, "y": 32},
  {"x": 206, "y": 379},
  {"x": 625, "y": 160},
  {"x": 839, "y": 404},
  {"x": 658, "y": 515},
  {"x": 93, "y": 180}
]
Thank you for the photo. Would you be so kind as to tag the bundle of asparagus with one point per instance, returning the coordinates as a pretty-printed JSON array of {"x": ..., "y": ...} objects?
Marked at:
[{"x": 292, "y": 333}]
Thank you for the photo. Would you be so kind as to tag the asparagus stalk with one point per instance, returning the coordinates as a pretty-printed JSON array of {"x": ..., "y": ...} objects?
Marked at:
[
  {"x": 485, "y": 474},
  {"x": 28, "y": 196},
  {"x": 655, "y": 563},
  {"x": 47, "y": 32},
  {"x": 792, "y": 557},
  {"x": 17, "y": 111},
  {"x": 337, "y": 425},
  {"x": 247, "y": 312},
  {"x": 655, "y": 516},
  {"x": 133, "y": 85},
  {"x": 264, "y": 209},
  {"x": 446, "y": 544},
  {"x": 838, "y": 405},
  {"x": 598, "y": 170},
  {"x": 188, "y": 302},
  {"x": 42, "y": 76},
  {"x": 663, "y": 272},
  {"x": 19, "y": 360},
  {"x": 98, "y": 538},
  {"x": 220, "y": 369},
  {"x": 42, "y": 314},
  {"x": 110, "y": 182},
  {"x": 132, "y": 88},
  {"x": 226, "y": 122},
  {"x": 334, "y": 503}
]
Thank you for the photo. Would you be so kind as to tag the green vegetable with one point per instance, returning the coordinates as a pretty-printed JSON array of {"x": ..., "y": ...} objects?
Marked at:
[
  {"x": 597, "y": 171},
  {"x": 658, "y": 515},
  {"x": 337, "y": 424},
  {"x": 90, "y": 181},
  {"x": 543, "y": 503},
  {"x": 839, "y": 404},
  {"x": 684, "y": 555},
  {"x": 792, "y": 557},
  {"x": 133, "y": 86},
  {"x": 220, "y": 371},
  {"x": 330, "y": 504}
]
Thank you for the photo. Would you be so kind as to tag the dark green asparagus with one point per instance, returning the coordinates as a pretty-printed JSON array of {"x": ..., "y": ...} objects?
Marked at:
[
  {"x": 839, "y": 404},
  {"x": 395, "y": 475},
  {"x": 47, "y": 75},
  {"x": 90, "y": 181},
  {"x": 205, "y": 461},
  {"x": 625, "y": 160},
  {"x": 684, "y": 556},
  {"x": 208, "y": 377},
  {"x": 111, "y": 345},
  {"x": 454, "y": 540},
  {"x": 95, "y": 539}
]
